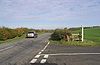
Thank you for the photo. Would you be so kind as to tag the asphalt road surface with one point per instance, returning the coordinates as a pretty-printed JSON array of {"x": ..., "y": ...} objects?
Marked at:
[
  {"x": 71, "y": 55},
  {"x": 40, "y": 51},
  {"x": 22, "y": 52},
  {"x": 68, "y": 55}
]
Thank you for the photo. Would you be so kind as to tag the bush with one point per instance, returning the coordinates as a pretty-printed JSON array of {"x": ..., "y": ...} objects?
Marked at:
[
  {"x": 56, "y": 36},
  {"x": 60, "y": 34}
]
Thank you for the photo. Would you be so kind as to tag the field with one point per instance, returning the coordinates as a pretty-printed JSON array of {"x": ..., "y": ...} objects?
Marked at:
[{"x": 91, "y": 34}]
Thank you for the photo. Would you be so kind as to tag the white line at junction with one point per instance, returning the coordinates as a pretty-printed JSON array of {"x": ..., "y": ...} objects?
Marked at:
[
  {"x": 43, "y": 60},
  {"x": 73, "y": 54},
  {"x": 39, "y": 54},
  {"x": 46, "y": 56},
  {"x": 33, "y": 61}
]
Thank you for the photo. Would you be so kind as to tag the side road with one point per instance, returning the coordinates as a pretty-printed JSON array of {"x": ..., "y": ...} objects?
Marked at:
[{"x": 71, "y": 55}]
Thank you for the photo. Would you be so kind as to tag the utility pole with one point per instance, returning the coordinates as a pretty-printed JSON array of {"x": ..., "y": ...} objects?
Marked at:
[{"x": 82, "y": 33}]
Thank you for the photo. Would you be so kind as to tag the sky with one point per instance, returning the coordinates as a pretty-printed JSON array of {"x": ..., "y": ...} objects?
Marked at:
[{"x": 49, "y": 14}]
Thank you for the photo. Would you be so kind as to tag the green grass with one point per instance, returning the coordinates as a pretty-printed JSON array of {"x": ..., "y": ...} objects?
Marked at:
[
  {"x": 9, "y": 41},
  {"x": 75, "y": 43},
  {"x": 91, "y": 34}
]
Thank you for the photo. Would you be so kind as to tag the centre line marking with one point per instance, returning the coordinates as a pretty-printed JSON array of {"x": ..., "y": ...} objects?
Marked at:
[
  {"x": 43, "y": 60},
  {"x": 39, "y": 53},
  {"x": 6, "y": 48},
  {"x": 44, "y": 48}
]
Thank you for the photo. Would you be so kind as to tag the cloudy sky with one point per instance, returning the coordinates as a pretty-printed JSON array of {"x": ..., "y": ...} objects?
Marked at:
[{"x": 49, "y": 14}]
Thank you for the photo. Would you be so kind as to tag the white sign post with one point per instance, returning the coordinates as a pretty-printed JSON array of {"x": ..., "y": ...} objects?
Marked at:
[{"x": 82, "y": 33}]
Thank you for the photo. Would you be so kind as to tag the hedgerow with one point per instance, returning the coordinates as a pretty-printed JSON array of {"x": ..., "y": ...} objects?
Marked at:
[{"x": 8, "y": 33}]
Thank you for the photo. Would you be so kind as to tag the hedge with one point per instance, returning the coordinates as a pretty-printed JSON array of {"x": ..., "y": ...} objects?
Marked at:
[{"x": 7, "y": 33}]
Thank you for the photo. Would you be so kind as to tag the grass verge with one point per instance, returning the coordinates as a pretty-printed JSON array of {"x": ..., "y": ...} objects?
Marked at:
[
  {"x": 75, "y": 43},
  {"x": 9, "y": 41},
  {"x": 12, "y": 41}
]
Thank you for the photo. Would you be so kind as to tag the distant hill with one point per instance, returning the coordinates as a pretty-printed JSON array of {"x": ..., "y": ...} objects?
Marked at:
[{"x": 78, "y": 28}]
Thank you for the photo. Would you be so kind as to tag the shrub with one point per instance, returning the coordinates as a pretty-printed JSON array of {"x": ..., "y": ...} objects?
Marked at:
[{"x": 61, "y": 34}]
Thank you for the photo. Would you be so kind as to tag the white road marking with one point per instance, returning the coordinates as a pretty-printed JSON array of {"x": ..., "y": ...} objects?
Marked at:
[
  {"x": 33, "y": 61},
  {"x": 73, "y": 54},
  {"x": 39, "y": 53},
  {"x": 43, "y": 60},
  {"x": 46, "y": 56},
  {"x": 37, "y": 56},
  {"x": 42, "y": 50},
  {"x": 6, "y": 48},
  {"x": 45, "y": 47}
]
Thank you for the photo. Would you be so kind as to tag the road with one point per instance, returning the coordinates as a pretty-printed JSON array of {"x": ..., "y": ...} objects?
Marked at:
[
  {"x": 22, "y": 52},
  {"x": 71, "y": 55},
  {"x": 56, "y": 54},
  {"x": 40, "y": 51}
]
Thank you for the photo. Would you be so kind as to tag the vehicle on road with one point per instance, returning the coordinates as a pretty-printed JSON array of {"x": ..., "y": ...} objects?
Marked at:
[{"x": 31, "y": 35}]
